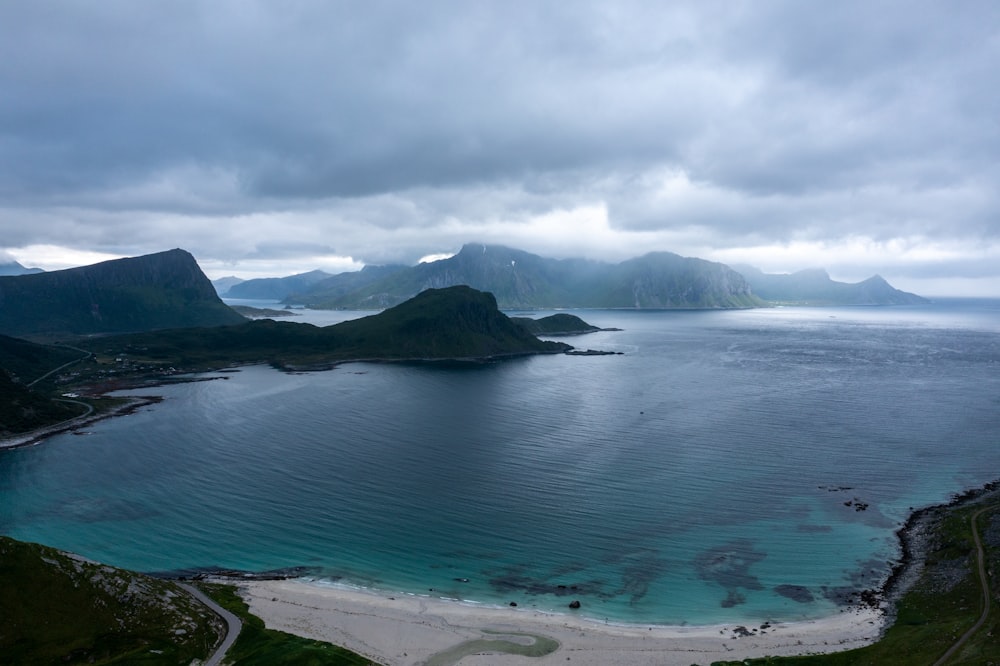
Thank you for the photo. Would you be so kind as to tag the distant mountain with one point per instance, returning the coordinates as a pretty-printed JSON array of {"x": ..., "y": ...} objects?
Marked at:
[
  {"x": 156, "y": 291},
  {"x": 275, "y": 289},
  {"x": 814, "y": 287},
  {"x": 336, "y": 286},
  {"x": 14, "y": 268},
  {"x": 452, "y": 323},
  {"x": 520, "y": 279},
  {"x": 224, "y": 284}
]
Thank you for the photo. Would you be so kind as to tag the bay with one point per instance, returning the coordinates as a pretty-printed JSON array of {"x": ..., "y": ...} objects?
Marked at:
[{"x": 728, "y": 466}]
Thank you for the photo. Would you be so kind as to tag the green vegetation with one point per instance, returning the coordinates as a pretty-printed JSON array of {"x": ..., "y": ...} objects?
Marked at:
[
  {"x": 942, "y": 604},
  {"x": 59, "y": 608},
  {"x": 23, "y": 408},
  {"x": 260, "y": 646},
  {"x": 539, "y": 647},
  {"x": 157, "y": 291},
  {"x": 557, "y": 324},
  {"x": 452, "y": 323}
]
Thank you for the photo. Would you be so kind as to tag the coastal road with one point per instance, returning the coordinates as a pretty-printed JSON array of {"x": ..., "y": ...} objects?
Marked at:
[
  {"x": 233, "y": 624},
  {"x": 984, "y": 581},
  {"x": 86, "y": 355}
]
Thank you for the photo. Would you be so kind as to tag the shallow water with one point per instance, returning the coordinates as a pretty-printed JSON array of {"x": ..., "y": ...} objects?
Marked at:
[{"x": 714, "y": 472}]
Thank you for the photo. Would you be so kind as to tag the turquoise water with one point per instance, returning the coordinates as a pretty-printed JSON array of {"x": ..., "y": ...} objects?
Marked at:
[{"x": 703, "y": 476}]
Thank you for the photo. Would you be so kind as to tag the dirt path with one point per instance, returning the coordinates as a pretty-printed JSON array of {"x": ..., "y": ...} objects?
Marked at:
[{"x": 984, "y": 581}]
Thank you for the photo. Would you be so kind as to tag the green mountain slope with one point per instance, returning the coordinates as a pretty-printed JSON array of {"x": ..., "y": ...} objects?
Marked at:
[
  {"x": 23, "y": 409},
  {"x": 453, "y": 323},
  {"x": 59, "y": 608},
  {"x": 163, "y": 290}
]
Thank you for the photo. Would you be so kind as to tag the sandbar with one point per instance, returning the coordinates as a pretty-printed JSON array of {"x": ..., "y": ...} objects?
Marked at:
[{"x": 408, "y": 630}]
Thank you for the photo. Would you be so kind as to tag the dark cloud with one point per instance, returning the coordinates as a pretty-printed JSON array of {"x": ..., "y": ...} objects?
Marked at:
[{"x": 394, "y": 130}]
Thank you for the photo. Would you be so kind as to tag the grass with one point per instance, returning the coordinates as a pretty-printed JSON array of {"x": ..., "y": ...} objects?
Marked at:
[
  {"x": 258, "y": 645},
  {"x": 57, "y": 608}
]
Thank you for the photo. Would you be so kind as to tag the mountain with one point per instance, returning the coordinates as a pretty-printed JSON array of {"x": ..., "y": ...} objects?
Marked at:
[
  {"x": 275, "y": 288},
  {"x": 14, "y": 268},
  {"x": 815, "y": 287},
  {"x": 336, "y": 286},
  {"x": 163, "y": 290},
  {"x": 437, "y": 324},
  {"x": 224, "y": 284},
  {"x": 519, "y": 279}
]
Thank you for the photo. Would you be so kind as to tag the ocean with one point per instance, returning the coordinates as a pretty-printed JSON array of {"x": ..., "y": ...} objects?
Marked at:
[{"x": 727, "y": 466}]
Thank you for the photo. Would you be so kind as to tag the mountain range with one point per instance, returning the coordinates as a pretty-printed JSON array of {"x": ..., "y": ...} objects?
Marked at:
[
  {"x": 520, "y": 280},
  {"x": 815, "y": 287}
]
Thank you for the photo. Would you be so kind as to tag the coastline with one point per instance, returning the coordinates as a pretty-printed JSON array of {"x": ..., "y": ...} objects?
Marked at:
[
  {"x": 40, "y": 435},
  {"x": 407, "y": 630}
]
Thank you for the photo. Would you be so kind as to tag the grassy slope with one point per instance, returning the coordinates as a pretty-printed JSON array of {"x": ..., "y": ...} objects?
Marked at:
[
  {"x": 60, "y": 609},
  {"x": 23, "y": 409}
]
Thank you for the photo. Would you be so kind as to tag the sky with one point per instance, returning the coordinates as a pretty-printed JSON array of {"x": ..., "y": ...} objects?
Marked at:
[{"x": 273, "y": 138}]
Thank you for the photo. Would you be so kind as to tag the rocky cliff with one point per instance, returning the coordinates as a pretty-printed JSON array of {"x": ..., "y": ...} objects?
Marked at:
[{"x": 156, "y": 291}]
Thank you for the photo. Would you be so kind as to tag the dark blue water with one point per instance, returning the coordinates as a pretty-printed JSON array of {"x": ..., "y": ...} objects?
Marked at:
[{"x": 712, "y": 473}]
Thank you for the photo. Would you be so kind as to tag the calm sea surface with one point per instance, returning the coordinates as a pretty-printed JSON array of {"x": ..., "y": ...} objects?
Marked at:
[{"x": 728, "y": 466}]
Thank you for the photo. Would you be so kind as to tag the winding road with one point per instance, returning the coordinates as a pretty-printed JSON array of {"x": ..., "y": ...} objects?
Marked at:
[
  {"x": 233, "y": 624},
  {"x": 984, "y": 582}
]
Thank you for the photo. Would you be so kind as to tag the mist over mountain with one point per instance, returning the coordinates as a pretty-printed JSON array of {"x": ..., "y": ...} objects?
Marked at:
[
  {"x": 156, "y": 291},
  {"x": 519, "y": 279},
  {"x": 224, "y": 284},
  {"x": 815, "y": 287},
  {"x": 15, "y": 268}
]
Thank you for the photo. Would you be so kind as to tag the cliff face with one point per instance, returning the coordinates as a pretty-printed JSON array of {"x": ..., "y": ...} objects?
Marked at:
[
  {"x": 666, "y": 280},
  {"x": 163, "y": 290}
]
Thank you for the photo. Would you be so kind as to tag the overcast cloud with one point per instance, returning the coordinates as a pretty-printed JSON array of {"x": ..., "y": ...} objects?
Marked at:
[{"x": 273, "y": 138}]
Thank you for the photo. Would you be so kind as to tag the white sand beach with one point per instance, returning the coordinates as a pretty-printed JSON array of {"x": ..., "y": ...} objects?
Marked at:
[{"x": 406, "y": 629}]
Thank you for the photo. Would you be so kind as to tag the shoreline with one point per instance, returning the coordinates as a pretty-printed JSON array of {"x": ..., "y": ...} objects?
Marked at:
[
  {"x": 407, "y": 630},
  {"x": 38, "y": 436}
]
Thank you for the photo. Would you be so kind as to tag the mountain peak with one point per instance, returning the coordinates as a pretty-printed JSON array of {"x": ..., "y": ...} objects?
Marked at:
[{"x": 161, "y": 290}]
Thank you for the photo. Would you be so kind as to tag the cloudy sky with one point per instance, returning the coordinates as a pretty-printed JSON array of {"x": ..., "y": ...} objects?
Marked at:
[{"x": 272, "y": 138}]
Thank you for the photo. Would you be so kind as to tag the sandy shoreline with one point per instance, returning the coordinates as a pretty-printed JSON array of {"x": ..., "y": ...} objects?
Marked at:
[{"x": 408, "y": 630}]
